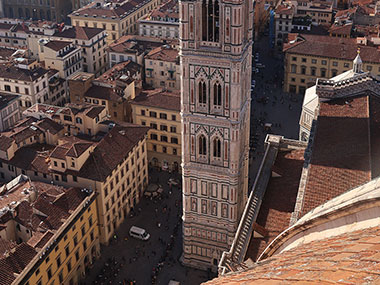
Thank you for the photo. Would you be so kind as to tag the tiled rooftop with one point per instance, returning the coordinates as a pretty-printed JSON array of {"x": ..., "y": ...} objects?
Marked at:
[
  {"x": 351, "y": 258},
  {"x": 57, "y": 45},
  {"x": 163, "y": 53},
  {"x": 341, "y": 154},
  {"x": 128, "y": 69},
  {"x": 80, "y": 33},
  {"x": 138, "y": 44},
  {"x": 117, "y": 9},
  {"x": 279, "y": 200},
  {"x": 326, "y": 46},
  {"x": 41, "y": 208},
  {"x": 159, "y": 99},
  {"x": 15, "y": 73}
]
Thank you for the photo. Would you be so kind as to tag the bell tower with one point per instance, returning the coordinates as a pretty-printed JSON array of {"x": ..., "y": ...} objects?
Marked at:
[{"x": 216, "y": 52}]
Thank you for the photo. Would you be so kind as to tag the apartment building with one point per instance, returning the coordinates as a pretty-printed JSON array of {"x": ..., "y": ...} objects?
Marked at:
[
  {"x": 321, "y": 12},
  {"x": 55, "y": 10},
  {"x": 163, "y": 22},
  {"x": 76, "y": 119},
  {"x": 114, "y": 89},
  {"x": 63, "y": 56},
  {"x": 27, "y": 79},
  {"x": 93, "y": 43},
  {"x": 50, "y": 232},
  {"x": 9, "y": 110},
  {"x": 283, "y": 22},
  {"x": 162, "y": 68},
  {"x": 57, "y": 89},
  {"x": 133, "y": 48},
  {"x": 13, "y": 35},
  {"x": 112, "y": 163},
  {"x": 118, "y": 18},
  {"x": 308, "y": 57},
  {"x": 160, "y": 110}
]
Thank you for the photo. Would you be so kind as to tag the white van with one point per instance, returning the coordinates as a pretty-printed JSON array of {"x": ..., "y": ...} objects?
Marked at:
[{"x": 139, "y": 233}]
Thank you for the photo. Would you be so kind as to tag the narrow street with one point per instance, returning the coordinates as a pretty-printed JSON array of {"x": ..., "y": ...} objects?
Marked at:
[{"x": 270, "y": 105}]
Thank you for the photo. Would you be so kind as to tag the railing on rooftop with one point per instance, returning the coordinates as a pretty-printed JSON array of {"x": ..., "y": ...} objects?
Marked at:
[{"x": 231, "y": 261}]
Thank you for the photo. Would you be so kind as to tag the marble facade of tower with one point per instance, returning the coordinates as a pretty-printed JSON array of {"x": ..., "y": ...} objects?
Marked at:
[{"x": 216, "y": 51}]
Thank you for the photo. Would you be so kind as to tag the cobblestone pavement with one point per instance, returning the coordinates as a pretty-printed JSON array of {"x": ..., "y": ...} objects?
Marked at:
[{"x": 139, "y": 258}]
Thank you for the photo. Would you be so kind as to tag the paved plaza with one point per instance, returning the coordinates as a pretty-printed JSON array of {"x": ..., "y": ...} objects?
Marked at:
[{"x": 140, "y": 259}]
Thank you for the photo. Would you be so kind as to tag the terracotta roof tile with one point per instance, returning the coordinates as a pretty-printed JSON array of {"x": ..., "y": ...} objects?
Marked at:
[
  {"x": 340, "y": 157},
  {"x": 47, "y": 124},
  {"x": 159, "y": 99},
  {"x": 80, "y": 33},
  {"x": 163, "y": 53},
  {"x": 279, "y": 200},
  {"x": 103, "y": 93},
  {"x": 5, "y": 142},
  {"x": 77, "y": 149},
  {"x": 312, "y": 263},
  {"x": 5, "y": 246},
  {"x": 57, "y": 45},
  {"x": 110, "y": 151},
  {"x": 5, "y": 99},
  {"x": 326, "y": 46}
]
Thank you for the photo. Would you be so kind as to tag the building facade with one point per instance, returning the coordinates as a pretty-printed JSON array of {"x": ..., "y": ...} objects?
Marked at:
[
  {"x": 57, "y": 248},
  {"x": 216, "y": 54},
  {"x": 308, "y": 57},
  {"x": 9, "y": 110},
  {"x": 162, "y": 22},
  {"x": 28, "y": 80},
  {"x": 117, "y": 18},
  {"x": 116, "y": 167},
  {"x": 55, "y": 10},
  {"x": 162, "y": 68},
  {"x": 93, "y": 44},
  {"x": 64, "y": 56},
  {"x": 159, "y": 110}
]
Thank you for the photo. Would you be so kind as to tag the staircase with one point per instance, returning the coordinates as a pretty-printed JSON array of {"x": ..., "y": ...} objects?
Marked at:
[{"x": 232, "y": 260}]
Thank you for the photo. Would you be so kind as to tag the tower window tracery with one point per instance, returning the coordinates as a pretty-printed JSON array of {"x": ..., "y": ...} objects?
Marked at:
[
  {"x": 217, "y": 94},
  {"x": 210, "y": 20},
  {"x": 202, "y": 145},
  {"x": 202, "y": 92},
  {"x": 217, "y": 147}
]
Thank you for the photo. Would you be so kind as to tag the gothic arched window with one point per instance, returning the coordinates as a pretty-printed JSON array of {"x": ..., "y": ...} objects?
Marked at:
[
  {"x": 217, "y": 148},
  {"x": 202, "y": 145},
  {"x": 217, "y": 94},
  {"x": 202, "y": 92},
  {"x": 210, "y": 20}
]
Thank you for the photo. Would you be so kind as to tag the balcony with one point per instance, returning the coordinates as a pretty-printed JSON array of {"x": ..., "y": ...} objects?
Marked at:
[{"x": 66, "y": 52}]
